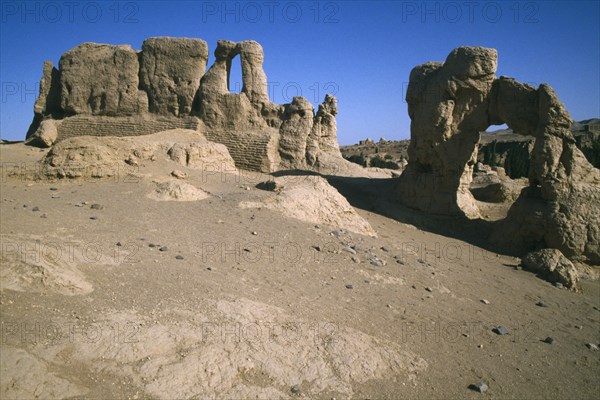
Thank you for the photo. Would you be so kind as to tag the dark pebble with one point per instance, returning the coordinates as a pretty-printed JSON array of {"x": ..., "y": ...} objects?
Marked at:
[
  {"x": 385, "y": 249},
  {"x": 179, "y": 257},
  {"x": 94, "y": 218},
  {"x": 549, "y": 340},
  {"x": 163, "y": 248},
  {"x": 349, "y": 286},
  {"x": 119, "y": 244},
  {"x": 295, "y": 390},
  {"x": 421, "y": 261},
  {"x": 317, "y": 247},
  {"x": 96, "y": 206},
  {"x": 34, "y": 209},
  {"x": 558, "y": 285},
  {"x": 501, "y": 330},
  {"x": 479, "y": 387},
  {"x": 53, "y": 189},
  {"x": 540, "y": 304}
]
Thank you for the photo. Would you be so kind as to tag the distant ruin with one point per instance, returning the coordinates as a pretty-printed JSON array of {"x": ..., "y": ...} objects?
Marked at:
[
  {"x": 113, "y": 90},
  {"x": 449, "y": 104}
]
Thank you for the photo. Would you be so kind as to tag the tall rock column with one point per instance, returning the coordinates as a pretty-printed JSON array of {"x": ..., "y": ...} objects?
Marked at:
[
  {"x": 101, "y": 79},
  {"x": 170, "y": 72},
  {"x": 447, "y": 104}
]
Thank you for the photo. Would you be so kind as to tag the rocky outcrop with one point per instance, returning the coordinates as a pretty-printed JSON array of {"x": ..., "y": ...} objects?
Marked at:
[
  {"x": 449, "y": 104},
  {"x": 106, "y": 90},
  {"x": 101, "y": 79},
  {"x": 48, "y": 101},
  {"x": 46, "y": 134},
  {"x": 170, "y": 72},
  {"x": 553, "y": 266},
  {"x": 297, "y": 125}
]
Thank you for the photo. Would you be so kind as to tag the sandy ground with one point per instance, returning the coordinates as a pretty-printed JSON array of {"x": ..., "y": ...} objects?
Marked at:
[{"x": 260, "y": 305}]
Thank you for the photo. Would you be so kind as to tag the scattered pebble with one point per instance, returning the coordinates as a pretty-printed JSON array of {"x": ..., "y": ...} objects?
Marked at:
[
  {"x": 317, "y": 247},
  {"x": 385, "y": 249},
  {"x": 548, "y": 340},
  {"x": 484, "y": 301},
  {"x": 558, "y": 285},
  {"x": 429, "y": 289},
  {"x": 53, "y": 189},
  {"x": 541, "y": 304},
  {"x": 479, "y": 387},
  {"x": 94, "y": 218},
  {"x": 421, "y": 261},
  {"x": 254, "y": 233},
  {"x": 179, "y": 257},
  {"x": 209, "y": 268},
  {"x": 295, "y": 390},
  {"x": 356, "y": 260},
  {"x": 349, "y": 286},
  {"x": 178, "y": 174},
  {"x": 164, "y": 248},
  {"x": 349, "y": 249},
  {"x": 96, "y": 206},
  {"x": 400, "y": 262},
  {"x": 118, "y": 244},
  {"x": 578, "y": 327},
  {"x": 376, "y": 263},
  {"x": 592, "y": 346},
  {"x": 501, "y": 330},
  {"x": 44, "y": 215},
  {"x": 34, "y": 209}
]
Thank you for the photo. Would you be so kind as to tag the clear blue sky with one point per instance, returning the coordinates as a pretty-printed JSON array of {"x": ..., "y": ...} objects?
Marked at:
[{"x": 361, "y": 50}]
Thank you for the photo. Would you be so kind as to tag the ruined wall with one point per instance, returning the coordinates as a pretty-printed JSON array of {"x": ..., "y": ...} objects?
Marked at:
[
  {"x": 449, "y": 104},
  {"x": 102, "y": 89}
]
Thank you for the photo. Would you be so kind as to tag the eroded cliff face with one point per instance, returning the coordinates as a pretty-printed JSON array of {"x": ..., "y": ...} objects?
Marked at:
[
  {"x": 102, "y": 89},
  {"x": 449, "y": 104}
]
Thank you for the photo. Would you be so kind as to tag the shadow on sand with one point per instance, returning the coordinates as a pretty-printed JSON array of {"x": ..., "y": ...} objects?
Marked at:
[{"x": 380, "y": 196}]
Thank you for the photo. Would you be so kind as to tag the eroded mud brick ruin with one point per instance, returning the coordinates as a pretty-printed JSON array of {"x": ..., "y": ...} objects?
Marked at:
[
  {"x": 107, "y": 90},
  {"x": 449, "y": 104},
  {"x": 101, "y": 89}
]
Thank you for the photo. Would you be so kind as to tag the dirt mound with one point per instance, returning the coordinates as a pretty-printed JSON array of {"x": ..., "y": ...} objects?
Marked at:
[
  {"x": 238, "y": 348},
  {"x": 173, "y": 190},
  {"x": 312, "y": 199},
  {"x": 107, "y": 156},
  {"x": 25, "y": 376},
  {"x": 29, "y": 265}
]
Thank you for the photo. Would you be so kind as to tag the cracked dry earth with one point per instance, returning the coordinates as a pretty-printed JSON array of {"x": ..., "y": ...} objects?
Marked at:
[{"x": 210, "y": 298}]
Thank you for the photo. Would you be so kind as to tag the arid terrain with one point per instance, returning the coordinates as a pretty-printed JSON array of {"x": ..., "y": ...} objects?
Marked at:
[
  {"x": 259, "y": 305},
  {"x": 163, "y": 238}
]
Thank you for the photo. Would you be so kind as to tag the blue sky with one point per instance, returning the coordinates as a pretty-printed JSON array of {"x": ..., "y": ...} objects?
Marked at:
[{"x": 361, "y": 51}]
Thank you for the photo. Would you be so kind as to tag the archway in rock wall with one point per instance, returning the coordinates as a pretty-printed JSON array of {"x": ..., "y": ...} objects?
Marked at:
[{"x": 235, "y": 82}]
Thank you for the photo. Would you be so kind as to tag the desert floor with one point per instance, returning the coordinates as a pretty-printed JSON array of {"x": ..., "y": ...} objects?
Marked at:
[{"x": 249, "y": 303}]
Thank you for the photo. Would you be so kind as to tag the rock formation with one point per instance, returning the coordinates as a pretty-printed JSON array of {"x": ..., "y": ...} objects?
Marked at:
[
  {"x": 170, "y": 72},
  {"x": 106, "y": 90},
  {"x": 449, "y": 104}
]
